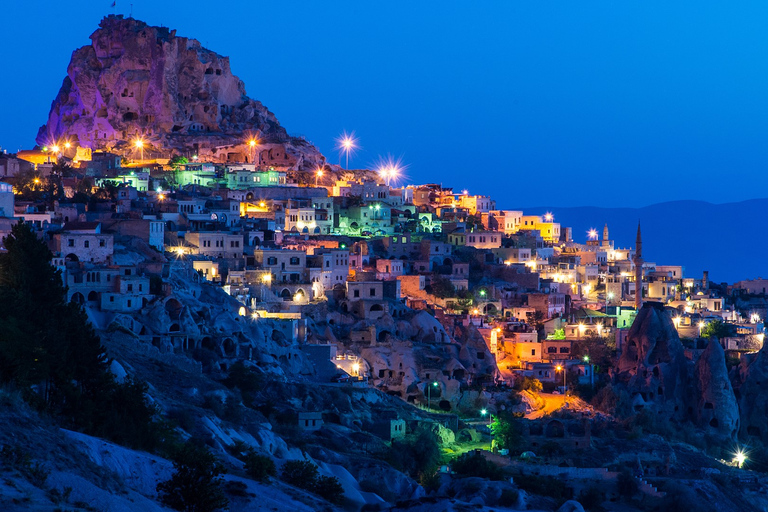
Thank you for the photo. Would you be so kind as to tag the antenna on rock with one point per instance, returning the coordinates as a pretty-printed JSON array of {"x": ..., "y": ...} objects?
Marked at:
[{"x": 131, "y": 15}]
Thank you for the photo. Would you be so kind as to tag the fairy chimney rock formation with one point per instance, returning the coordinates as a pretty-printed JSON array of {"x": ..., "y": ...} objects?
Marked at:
[{"x": 135, "y": 81}]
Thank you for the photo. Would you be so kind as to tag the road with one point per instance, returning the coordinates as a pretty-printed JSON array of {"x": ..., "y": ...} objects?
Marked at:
[{"x": 551, "y": 404}]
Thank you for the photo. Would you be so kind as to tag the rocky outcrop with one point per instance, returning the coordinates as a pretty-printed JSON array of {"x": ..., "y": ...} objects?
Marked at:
[
  {"x": 653, "y": 364},
  {"x": 139, "y": 81},
  {"x": 714, "y": 402},
  {"x": 749, "y": 381}
]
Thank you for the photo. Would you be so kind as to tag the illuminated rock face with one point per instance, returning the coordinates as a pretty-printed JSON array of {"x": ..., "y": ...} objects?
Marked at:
[
  {"x": 653, "y": 364},
  {"x": 138, "y": 81}
]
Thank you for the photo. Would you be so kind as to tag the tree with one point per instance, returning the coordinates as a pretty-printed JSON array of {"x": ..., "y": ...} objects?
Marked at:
[
  {"x": 441, "y": 287},
  {"x": 717, "y": 329},
  {"x": 600, "y": 354},
  {"x": 177, "y": 161},
  {"x": 505, "y": 431},
  {"x": 196, "y": 484},
  {"x": 51, "y": 352}
]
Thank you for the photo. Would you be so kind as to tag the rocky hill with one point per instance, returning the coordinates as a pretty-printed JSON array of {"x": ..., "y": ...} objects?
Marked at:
[{"x": 135, "y": 81}]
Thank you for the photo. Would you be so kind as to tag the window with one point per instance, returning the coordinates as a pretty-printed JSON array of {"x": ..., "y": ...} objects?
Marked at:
[
  {"x": 533, "y": 351},
  {"x": 111, "y": 298},
  {"x": 373, "y": 292},
  {"x": 294, "y": 260},
  {"x": 130, "y": 287},
  {"x": 129, "y": 302},
  {"x": 102, "y": 243},
  {"x": 271, "y": 260},
  {"x": 70, "y": 243},
  {"x": 86, "y": 244},
  {"x": 356, "y": 293}
]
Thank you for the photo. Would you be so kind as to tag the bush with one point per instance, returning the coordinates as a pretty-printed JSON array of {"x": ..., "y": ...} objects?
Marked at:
[
  {"x": 299, "y": 473},
  {"x": 474, "y": 464},
  {"x": 247, "y": 380},
  {"x": 528, "y": 384},
  {"x": 415, "y": 454},
  {"x": 509, "y": 498},
  {"x": 330, "y": 489},
  {"x": 259, "y": 467},
  {"x": 303, "y": 474},
  {"x": 196, "y": 484}
]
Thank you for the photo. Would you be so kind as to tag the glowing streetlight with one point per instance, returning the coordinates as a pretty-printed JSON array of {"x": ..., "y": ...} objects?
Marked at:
[
  {"x": 139, "y": 144},
  {"x": 266, "y": 278},
  {"x": 356, "y": 369},
  {"x": 490, "y": 434},
  {"x": 429, "y": 394},
  {"x": 581, "y": 329},
  {"x": 55, "y": 148},
  {"x": 740, "y": 458},
  {"x": 599, "y": 329},
  {"x": 701, "y": 326},
  {"x": 37, "y": 181},
  {"x": 560, "y": 368},
  {"x": 548, "y": 217},
  {"x": 251, "y": 147},
  {"x": 676, "y": 321},
  {"x": 347, "y": 143},
  {"x": 318, "y": 174},
  {"x": 67, "y": 145},
  {"x": 592, "y": 234}
]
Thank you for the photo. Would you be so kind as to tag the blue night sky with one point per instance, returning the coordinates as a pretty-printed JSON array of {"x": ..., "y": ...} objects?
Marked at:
[{"x": 558, "y": 103}]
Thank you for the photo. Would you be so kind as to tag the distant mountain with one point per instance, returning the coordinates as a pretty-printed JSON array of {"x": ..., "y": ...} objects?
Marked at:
[{"x": 727, "y": 239}]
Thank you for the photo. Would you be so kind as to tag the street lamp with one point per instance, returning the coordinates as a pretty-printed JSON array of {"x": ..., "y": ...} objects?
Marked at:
[
  {"x": 490, "y": 432},
  {"x": 429, "y": 395},
  {"x": 581, "y": 330},
  {"x": 562, "y": 368},
  {"x": 356, "y": 369},
  {"x": 676, "y": 321},
  {"x": 347, "y": 144},
  {"x": 701, "y": 326},
  {"x": 740, "y": 458},
  {"x": 139, "y": 144},
  {"x": 251, "y": 146},
  {"x": 318, "y": 174}
]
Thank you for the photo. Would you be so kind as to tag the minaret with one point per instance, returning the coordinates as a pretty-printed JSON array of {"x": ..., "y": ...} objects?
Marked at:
[
  {"x": 638, "y": 270},
  {"x": 606, "y": 242}
]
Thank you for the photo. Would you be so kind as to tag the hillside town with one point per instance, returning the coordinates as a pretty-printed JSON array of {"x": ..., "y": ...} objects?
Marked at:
[
  {"x": 192, "y": 294},
  {"x": 285, "y": 243}
]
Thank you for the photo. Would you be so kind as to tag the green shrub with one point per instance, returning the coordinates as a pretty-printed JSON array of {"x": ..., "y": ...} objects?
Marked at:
[
  {"x": 303, "y": 474},
  {"x": 329, "y": 488},
  {"x": 196, "y": 484},
  {"x": 299, "y": 473},
  {"x": 259, "y": 467}
]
